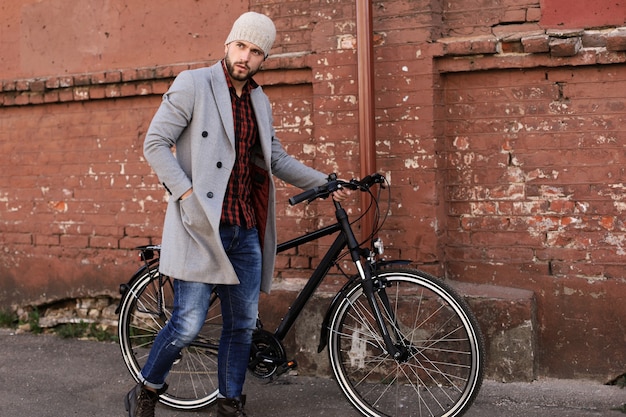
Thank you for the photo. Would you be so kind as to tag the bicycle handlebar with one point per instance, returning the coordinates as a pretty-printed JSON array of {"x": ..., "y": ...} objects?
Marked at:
[{"x": 335, "y": 184}]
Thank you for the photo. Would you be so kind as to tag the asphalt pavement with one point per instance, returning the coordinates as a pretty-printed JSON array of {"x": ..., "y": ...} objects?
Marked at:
[{"x": 47, "y": 376}]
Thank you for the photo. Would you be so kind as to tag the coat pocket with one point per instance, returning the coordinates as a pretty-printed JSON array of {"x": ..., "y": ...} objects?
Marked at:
[{"x": 192, "y": 215}]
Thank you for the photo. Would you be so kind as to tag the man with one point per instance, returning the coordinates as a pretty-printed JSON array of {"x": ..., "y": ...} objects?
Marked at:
[{"x": 219, "y": 229}]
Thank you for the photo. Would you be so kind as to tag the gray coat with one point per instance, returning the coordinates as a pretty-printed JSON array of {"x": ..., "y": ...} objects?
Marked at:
[{"x": 191, "y": 142}]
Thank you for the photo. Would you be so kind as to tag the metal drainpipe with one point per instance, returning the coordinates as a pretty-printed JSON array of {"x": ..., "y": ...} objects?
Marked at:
[{"x": 365, "y": 71}]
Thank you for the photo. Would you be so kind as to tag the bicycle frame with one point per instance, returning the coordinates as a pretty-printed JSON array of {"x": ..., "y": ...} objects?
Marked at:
[
  {"x": 345, "y": 238},
  {"x": 316, "y": 278}
]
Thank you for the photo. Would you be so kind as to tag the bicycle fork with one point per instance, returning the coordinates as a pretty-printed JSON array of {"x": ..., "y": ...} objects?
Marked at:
[{"x": 399, "y": 353}]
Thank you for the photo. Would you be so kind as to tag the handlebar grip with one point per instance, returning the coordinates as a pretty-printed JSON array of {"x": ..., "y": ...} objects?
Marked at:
[
  {"x": 333, "y": 185},
  {"x": 306, "y": 195},
  {"x": 372, "y": 179}
]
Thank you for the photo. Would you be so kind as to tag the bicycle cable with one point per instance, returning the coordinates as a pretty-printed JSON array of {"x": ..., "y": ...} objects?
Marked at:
[{"x": 374, "y": 205}]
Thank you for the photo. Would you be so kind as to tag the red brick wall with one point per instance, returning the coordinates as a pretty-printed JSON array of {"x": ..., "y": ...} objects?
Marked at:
[
  {"x": 535, "y": 180},
  {"x": 533, "y": 177},
  {"x": 76, "y": 196},
  {"x": 501, "y": 139}
]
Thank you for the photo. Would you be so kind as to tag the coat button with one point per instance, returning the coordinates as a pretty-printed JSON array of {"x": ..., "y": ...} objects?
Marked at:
[
  {"x": 205, "y": 134},
  {"x": 209, "y": 194},
  {"x": 219, "y": 164}
]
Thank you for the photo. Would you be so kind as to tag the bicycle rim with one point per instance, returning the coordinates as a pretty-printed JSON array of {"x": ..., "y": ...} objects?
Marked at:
[
  {"x": 192, "y": 380},
  {"x": 443, "y": 371}
]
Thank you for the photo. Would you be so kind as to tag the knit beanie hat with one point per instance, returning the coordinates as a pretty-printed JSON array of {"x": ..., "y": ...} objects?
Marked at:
[{"x": 255, "y": 28}]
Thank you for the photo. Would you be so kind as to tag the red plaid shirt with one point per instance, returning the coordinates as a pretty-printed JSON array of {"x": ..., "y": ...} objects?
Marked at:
[{"x": 237, "y": 209}]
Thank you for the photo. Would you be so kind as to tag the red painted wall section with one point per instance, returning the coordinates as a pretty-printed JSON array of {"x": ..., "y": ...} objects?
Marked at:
[
  {"x": 576, "y": 14},
  {"x": 52, "y": 37}
]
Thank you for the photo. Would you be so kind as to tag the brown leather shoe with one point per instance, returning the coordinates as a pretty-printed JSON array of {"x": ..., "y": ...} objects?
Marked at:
[
  {"x": 231, "y": 407},
  {"x": 140, "y": 402}
]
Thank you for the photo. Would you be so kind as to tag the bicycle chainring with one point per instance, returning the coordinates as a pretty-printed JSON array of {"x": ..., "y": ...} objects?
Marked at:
[{"x": 267, "y": 355}]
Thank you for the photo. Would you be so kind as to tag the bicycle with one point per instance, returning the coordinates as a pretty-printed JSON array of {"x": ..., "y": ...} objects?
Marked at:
[{"x": 400, "y": 342}]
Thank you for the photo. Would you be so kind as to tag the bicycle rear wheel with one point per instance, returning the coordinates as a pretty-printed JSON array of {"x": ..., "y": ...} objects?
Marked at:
[
  {"x": 145, "y": 308},
  {"x": 443, "y": 371}
]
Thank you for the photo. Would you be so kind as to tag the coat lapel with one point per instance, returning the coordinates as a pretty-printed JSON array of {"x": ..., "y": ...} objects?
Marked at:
[
  {"x": 222, "y": 98},
  {"x": 260, "y": 112}
]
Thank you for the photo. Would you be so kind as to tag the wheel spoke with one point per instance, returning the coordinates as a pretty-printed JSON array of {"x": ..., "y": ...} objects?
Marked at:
[
  {"x": 144, "y": 311},
  {"x": 442, "y": 371}
]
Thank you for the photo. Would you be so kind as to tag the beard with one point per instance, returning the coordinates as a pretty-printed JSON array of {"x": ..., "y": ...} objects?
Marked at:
[{"x": 235, "y": 73}]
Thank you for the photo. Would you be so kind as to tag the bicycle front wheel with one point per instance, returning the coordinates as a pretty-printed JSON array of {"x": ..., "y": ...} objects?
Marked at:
[
  {"x": 145, "y": 308},
  {"x": 441, "y": 370}
]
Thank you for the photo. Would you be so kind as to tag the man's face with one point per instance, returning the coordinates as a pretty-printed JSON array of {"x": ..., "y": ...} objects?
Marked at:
[{"x": 243, "y": 59}]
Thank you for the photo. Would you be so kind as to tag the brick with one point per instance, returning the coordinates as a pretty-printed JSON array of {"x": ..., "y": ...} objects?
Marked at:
[
  {"x": 128, "y": 89},
  {"x": 516, "y": 31},
  {"x": 132, "y": 243},
  {"x": 52, "y": 82},
  {"x": 510, "y": 47},
  {"x": 145, "y": 73},
  {"x": 565, "y": 33},
  {"x": 536, "y": 44},
  {"x": 113, "y": 91},
  {"x": 7, "y": 100},
  {"x": 66, "y": 81},
  {"x": 98, "y": 78},
  {"x": 562, "y": 269},
  {"x": 22, "y": 99},
  {"x": 82, "y": 79},
  {"x": 97, "y": 92},
  {"x": 129, "y": 75},
  {"x": 470, "y": 46},
  {"x": 533, "y": 14},
  {"x": 22, "y": 85},
  {"x": 594, "y": 39},
  {"x": 564, "y": 47},
  {"x": 112, "y": 76},
  {"x": 484, "y": 45},
  {"x": 456, "y": 46},
  {"x": 160, "y": 87},
  {"x": 9, "y": 85},
  {"x": 35, "y": 98},
  {"x": 46, "y": 240},
  {"x": 514, "y": 16},
  {"x": 616, "y": 40},
  {"x": 74, "y": 241},
  {"x": 17, "y": 238},
  {"x": 81, "y": 93},
  {"x": 37, "y": 86},
  {"x": 144, "y": 89},
  {"x": 103, "y": 242}
]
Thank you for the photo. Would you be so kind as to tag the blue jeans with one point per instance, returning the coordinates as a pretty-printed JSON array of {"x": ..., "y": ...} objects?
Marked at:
[{"x": 239, "y": 313}]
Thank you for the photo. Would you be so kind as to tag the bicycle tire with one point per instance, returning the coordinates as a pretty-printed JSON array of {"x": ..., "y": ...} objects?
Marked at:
[
  {"x": 444, "y": 369},
  {"x": 192, "y": 380}
]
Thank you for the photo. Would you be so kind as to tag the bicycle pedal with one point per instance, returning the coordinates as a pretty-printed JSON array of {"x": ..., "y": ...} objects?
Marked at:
[{"x": 287, "y": 366}]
